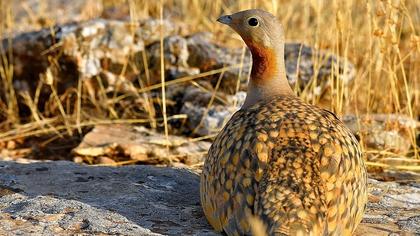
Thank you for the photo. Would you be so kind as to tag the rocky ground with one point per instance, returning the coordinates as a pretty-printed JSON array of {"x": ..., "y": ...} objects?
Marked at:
[{"x": 62, "y": 198}]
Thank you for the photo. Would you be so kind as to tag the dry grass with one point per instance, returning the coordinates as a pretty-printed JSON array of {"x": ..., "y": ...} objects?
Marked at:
[{"x": 381, "y": 37}]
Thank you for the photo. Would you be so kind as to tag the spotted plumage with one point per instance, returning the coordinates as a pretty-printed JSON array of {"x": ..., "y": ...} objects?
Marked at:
[{"x": 279, "y": 163}]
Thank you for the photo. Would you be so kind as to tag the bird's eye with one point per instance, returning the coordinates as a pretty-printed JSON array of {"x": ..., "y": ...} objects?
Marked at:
[{"x": 253, "y": 21}]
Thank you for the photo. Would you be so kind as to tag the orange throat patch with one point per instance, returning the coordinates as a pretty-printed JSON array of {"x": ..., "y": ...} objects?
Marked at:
[{"x": 264, "y": 63}]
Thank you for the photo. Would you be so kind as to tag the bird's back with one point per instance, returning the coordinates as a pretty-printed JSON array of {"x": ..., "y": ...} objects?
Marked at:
[{"x": 291, "y": 166}]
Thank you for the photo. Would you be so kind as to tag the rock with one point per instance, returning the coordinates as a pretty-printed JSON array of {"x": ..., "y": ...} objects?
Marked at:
[
  {"x": 80, "y": 51},
  {"x": 208, "y": 120},
  {"x": 207, "y": 55},
  {"x": 123, "y": 142},
  {"x": 175, "y": 58},
  {"x": 304, "y": 63},
  {"x": 383, "y": 132},
  {"x": 392, "y": 208},
  {"x": 206, "y": 110},
  {"x": 202, "y": 122},
  {"x": 62, "y": 198},
  {"x": 105, "y": 160}
]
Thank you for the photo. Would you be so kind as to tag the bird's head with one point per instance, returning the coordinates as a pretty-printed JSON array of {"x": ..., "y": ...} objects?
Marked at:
[
  {"x": 264, "y": 36},
  {"x": 259, "y": 29}
]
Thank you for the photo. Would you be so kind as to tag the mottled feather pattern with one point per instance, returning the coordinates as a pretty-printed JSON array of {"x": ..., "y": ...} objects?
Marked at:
[{"x": 293, "y": 166}]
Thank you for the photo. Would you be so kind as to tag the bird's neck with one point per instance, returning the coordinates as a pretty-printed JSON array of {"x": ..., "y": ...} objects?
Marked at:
[{"x": 268, "y": 76}]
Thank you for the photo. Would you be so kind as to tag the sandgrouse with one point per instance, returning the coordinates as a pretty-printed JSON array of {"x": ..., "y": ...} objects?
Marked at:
[{"x": 283, "y": 165}]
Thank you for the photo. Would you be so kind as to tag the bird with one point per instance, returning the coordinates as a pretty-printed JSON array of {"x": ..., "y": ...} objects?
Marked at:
[{"x": 280, "y": 166}]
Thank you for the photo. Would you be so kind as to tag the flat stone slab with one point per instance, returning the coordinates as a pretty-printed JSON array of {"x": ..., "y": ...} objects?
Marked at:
[
  {"x": 62, "y": 198},
  {"x": 53, "y": 198}
]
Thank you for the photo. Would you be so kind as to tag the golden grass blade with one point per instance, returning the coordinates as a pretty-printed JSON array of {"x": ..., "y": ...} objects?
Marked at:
[
  {"x": 396, "y": 167},
  {"x": 162, "y": 78},
  {"x": 188, "y": 78},
  {"x": 79, "y": 105}
]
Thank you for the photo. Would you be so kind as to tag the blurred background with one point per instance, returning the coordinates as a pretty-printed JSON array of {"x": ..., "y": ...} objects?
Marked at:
[{"x": 167, "y": 74}]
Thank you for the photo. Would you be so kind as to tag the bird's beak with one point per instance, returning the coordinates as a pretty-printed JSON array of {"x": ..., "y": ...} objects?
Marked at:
[{"x": 227, "y": 19}]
